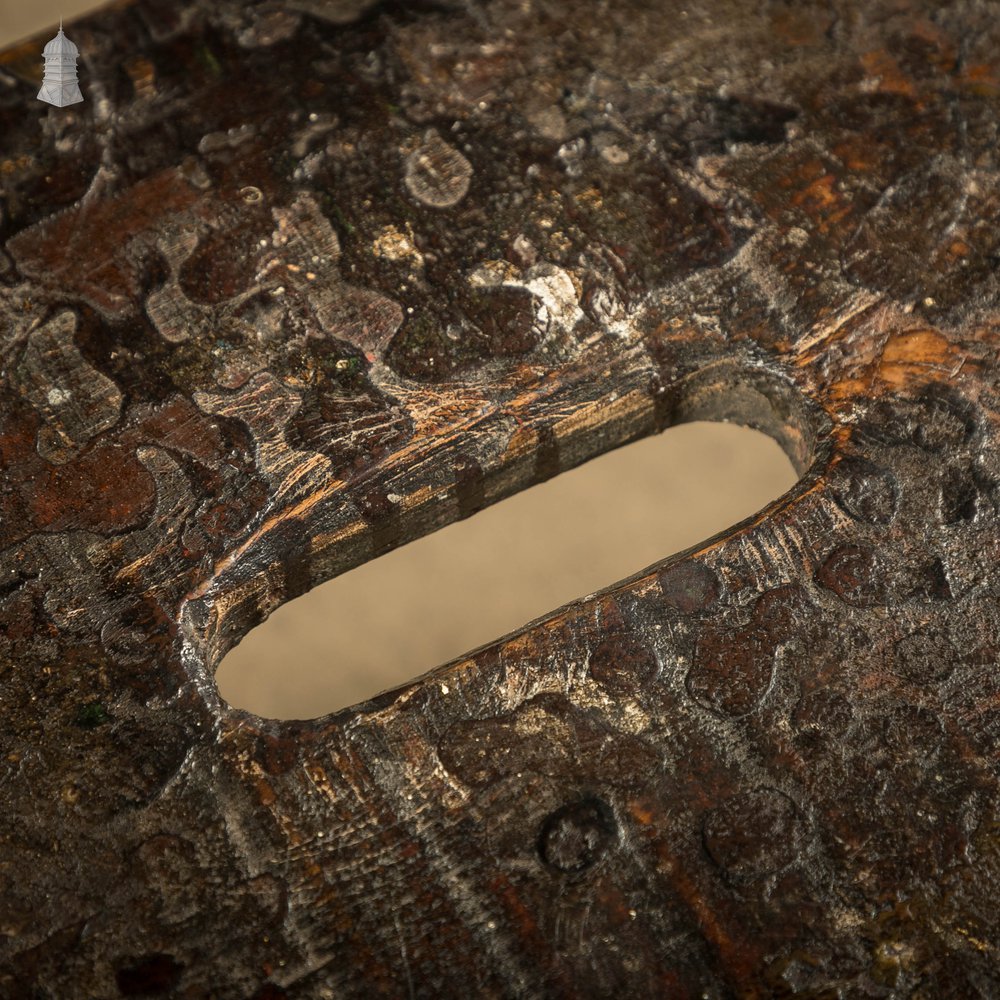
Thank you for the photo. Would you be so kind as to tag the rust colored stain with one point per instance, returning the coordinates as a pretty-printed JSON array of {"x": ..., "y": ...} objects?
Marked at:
[
  {"x": 914, "y": 355},
  {"x": 80, "y": 251}
]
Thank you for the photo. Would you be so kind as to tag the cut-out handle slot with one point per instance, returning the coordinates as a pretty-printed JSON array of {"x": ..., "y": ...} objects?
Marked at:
[{"x": 394, "y": 618}]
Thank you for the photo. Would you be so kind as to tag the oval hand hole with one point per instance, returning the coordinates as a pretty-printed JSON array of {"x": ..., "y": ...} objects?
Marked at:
[{"x": 394, "y": 618}]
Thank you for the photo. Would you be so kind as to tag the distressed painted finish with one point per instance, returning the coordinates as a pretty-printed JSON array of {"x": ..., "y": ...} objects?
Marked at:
[{"x": 301, "y": 281}]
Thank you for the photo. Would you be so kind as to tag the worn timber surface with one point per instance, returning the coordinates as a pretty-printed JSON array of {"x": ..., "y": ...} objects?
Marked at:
[{"x": 301, "y": 281}]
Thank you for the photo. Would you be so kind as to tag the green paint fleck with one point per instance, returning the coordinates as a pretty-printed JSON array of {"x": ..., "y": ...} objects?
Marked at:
[
  {"x": 334, "y": 209},
  {"x": 91, "y": 715},
  {"x": 207, "y": 56}
]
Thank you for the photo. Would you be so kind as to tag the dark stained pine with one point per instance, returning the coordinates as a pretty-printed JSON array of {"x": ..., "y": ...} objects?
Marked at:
[{"x": 301, "y": 281}]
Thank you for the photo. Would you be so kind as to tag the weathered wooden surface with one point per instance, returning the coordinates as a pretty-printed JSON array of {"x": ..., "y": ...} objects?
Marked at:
[{"x": 301, "y": 281}]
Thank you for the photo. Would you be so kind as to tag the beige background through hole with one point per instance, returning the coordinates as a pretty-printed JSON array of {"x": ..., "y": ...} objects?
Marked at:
[
  {"x": 19, "y": 19},
  {"x": 398, "y": 616}
]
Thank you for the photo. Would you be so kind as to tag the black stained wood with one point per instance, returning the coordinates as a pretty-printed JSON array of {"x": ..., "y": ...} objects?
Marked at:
[{"x": 301, "y": 281}]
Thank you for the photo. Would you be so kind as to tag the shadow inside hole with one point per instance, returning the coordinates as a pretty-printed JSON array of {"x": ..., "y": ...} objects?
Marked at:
[{"x": 394, "y": 618}]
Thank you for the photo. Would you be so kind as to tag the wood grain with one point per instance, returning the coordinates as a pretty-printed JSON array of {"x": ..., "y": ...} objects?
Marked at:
[{"x": 300, "y": 282}]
